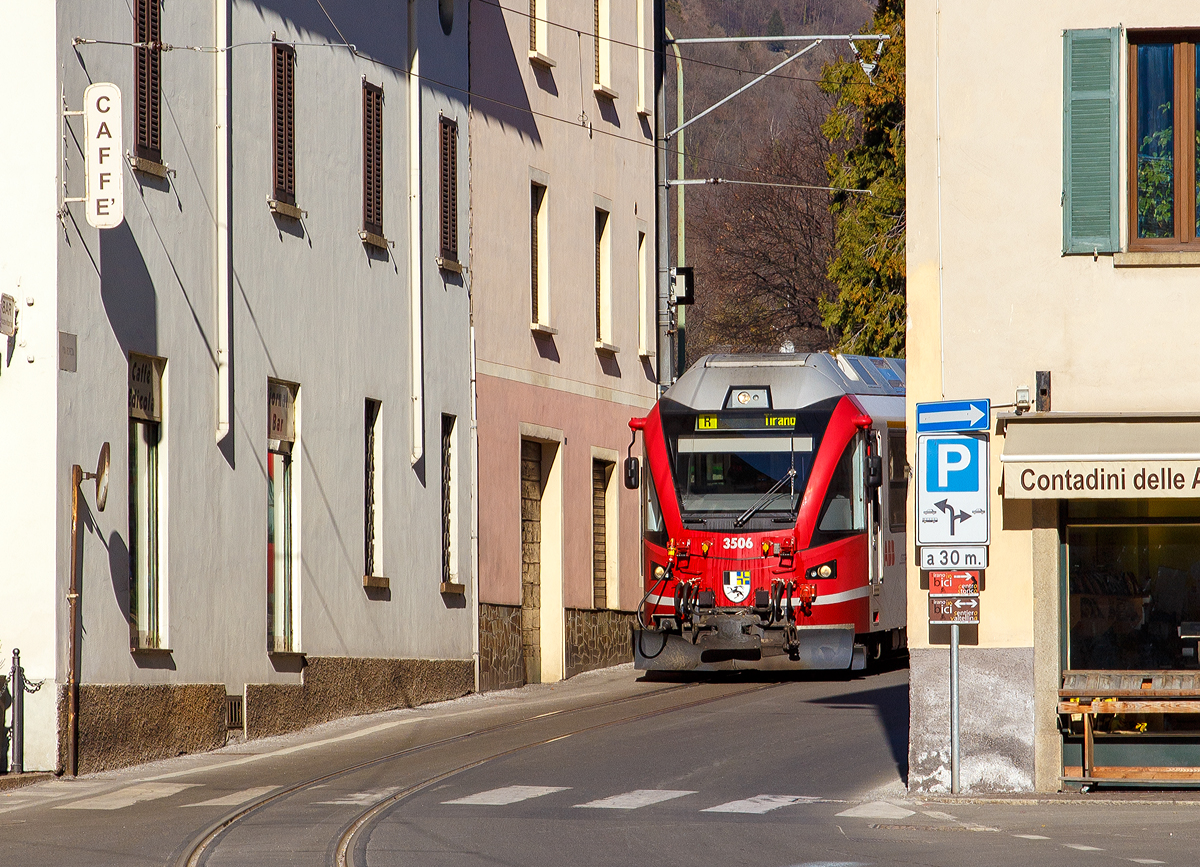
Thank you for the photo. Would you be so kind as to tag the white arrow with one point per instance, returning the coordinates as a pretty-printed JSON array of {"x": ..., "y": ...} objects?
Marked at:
[{"x": 945, "y": 416}]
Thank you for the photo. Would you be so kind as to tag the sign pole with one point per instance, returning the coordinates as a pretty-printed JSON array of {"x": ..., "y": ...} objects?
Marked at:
[{"x": 954, "y": 709}]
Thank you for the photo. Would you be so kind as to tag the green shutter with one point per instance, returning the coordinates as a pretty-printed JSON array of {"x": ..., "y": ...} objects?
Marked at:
[{"x": 1090, "y": 175}]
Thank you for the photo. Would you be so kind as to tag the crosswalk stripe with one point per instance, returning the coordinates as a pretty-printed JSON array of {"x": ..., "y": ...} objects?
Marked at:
[
  {"x": 761, "y": 804},
  {"x": 1031, "y": 836},
  {"x": 361, "y": 799},
  {"x": 234, "y": 799},
  {"x": 636, "y": 798},
  {"x": 127, "y": 796},
  {"x": 507, "y": 795}
]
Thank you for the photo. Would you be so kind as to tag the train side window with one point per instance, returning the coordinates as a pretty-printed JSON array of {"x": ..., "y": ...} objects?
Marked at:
[
  {"x": 655, "y": 529},
  {"x": 843, "y": 513},
  {"x": 897, "y": 480}
]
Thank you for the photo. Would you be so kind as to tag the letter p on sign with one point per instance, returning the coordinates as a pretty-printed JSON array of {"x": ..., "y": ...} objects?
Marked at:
[{"x": 953, "y": 464}]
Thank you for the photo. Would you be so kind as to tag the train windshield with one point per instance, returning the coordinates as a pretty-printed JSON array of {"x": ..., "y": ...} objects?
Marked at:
[{"x": 732, "y": 464}]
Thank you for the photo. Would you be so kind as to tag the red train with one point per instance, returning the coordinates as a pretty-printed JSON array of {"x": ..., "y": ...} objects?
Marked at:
[{"x": 774, "y": 504}]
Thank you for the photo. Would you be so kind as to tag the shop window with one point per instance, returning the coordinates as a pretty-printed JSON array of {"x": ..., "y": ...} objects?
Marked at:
[
  {"x": 371, "y": 496},
  {"x": 281, "y": 439},
  {"x": 449, "y": 503},
  {"x": 897, "y": 481},
  {"x": 145, "y": 443},
  {"x": 1133, "y": 584}
]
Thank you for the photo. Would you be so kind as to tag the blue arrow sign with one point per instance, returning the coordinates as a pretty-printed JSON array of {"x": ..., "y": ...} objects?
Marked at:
[{"x": 947, "y": 416}]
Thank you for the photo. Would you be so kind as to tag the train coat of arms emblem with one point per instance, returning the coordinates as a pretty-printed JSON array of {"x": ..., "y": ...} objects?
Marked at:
[{"x": 737, "y": 586}]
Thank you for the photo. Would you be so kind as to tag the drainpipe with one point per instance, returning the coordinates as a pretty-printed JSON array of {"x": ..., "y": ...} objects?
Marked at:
[
  {"x": 222, "y": 240},
  {"x": 665, "y": 361},
  {"x": 72, "y": 637},
  {"x": 680, "y": 223},
  {"x": 416, "y": 290}
]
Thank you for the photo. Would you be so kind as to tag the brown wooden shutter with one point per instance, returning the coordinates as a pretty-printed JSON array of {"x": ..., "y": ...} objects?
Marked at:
[
  {"x": 533, "y": 46},
  {"x": 283, "y": 98},
  {"x": 601, "y": 219},
  {"x": 535, "y": 207},
  {"x": 596, "y": 38},
  {"x": 448, "y": 188},
  {"x": 147, "y": 62},
  {"x": 600, "y": 476},
  {"x": 372, "y": 158}
]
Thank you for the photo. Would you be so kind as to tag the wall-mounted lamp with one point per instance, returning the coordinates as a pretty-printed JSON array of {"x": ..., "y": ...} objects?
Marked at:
[{"x": 1022, "y": 401}]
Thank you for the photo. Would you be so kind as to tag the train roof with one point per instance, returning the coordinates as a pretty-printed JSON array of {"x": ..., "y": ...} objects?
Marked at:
[{"x": 794, "y": 380}]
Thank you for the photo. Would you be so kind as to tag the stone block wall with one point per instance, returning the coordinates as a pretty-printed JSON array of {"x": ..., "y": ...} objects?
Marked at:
[
  {"x": 597, "y": 639},
  {"x": 501, "y": 665}
]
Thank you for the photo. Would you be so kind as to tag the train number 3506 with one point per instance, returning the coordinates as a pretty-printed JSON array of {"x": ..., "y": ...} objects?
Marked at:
[{"x": 733, "y": 543}]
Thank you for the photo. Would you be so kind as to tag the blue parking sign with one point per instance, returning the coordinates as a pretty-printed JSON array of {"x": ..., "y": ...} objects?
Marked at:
[{"x": 952, "y": 489}]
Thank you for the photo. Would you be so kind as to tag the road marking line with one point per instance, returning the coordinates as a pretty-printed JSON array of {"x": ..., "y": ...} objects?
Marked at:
[
  {"x": 876, "y": 810},
  {"x": 1031, "y": 836},
  {"x": 234, "y": 799},
  {"x": 934, "y": 814},
  {"x": 362, "y": 799},
  {"x": 127, "y": 796},
  {"x": 1146, "y": 861},
  {"x": 760, "y": 804},
  {"x": 507, "y": 795},
  {"x": 1081, "y": 847},
  {"x": 636, "y": 798}
]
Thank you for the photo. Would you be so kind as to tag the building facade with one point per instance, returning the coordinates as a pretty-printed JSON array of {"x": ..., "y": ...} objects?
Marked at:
[
  {"x": 562, "y": 158},
  {"x": 1052, "y": 248},
  {"x": 275, "y": 345}
]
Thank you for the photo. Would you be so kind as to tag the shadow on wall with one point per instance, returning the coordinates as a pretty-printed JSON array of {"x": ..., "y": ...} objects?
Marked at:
[{"x": 127, "y": 292}]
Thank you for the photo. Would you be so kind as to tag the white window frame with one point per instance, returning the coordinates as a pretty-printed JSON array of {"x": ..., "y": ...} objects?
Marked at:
[
  {"x": 285, "y": 606},
  {"x": 604, "y": 340},
  {"x": 149, "y": 623},
  {"x": 544, "y": 320},
  {"x": 644, "y": 98},
  {"x": 646, "y": 299}
]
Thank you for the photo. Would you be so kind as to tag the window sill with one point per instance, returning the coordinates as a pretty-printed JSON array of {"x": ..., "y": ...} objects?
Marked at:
[
  {"x": 605, "y": 91},
  {"x": 539, "y": 59},
  {"x": 283, "y": 209},
  {"x": 539, "y": 328},
  {"x": 647, "y": 354},
  {"x": 1156, "y": 259},
  {"x": 286, "y": 654},
  {"x": 454, "y": 587},
  {"x": 151, "y": 651},
  {"x": 149, "y": 167},
  {"x": 451, "y": 265},
  {"x": 646, "y": 113},
  {"x": 608, "y": 348},
  {"x": 379, "y": 582},
  {"x": 373, "y": 240}
]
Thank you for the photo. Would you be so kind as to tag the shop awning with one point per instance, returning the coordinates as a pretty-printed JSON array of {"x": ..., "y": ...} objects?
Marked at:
[{"x": 1118, "y": 457}]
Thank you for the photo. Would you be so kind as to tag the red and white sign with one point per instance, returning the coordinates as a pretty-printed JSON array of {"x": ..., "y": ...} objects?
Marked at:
[
  {"x": 105, "y": 163},
  {"x": 957, "y": 583}
]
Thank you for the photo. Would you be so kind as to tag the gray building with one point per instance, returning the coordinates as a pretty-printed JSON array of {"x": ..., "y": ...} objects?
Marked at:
[{"x": 275, "y": 343}]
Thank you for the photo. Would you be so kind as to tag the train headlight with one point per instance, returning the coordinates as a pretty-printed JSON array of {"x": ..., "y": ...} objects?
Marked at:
[
  {"x": 825, "y": 571},
  {"x": 828, "y": 569},
  {"x": 659, "y": 572}
]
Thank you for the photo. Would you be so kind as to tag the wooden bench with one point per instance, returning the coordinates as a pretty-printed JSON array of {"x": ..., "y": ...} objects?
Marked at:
[{"x": 1089, "y": 693}]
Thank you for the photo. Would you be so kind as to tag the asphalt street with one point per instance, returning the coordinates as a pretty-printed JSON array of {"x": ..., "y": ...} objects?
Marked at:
[{"x": 605, "y": 769}]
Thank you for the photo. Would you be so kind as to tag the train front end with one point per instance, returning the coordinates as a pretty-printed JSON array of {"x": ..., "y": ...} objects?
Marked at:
[{"x": 761, "y": 485}]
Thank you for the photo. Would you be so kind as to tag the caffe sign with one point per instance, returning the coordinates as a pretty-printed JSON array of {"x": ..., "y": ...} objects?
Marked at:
[
  {"x": 145, "y": 387},
  {"x": 1101, "y": 480},
  {"x": 281, "y": 411}
]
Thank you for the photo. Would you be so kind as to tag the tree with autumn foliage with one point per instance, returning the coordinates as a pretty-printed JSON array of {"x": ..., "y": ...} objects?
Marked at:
[{"x": 866, "y": 128}]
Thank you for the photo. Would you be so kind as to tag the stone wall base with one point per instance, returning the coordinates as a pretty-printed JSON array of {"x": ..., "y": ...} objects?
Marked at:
[
  {"x": 996, "y": 744},
  {"x": 335, "y": 686},
  {"x": 500, "y": 662},
  {"x": 597, "y": 639},
  {"x": 127, "y": 724}
]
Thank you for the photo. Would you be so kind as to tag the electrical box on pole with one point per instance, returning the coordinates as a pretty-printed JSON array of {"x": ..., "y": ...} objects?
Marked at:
[{"x": 683, "y": 283}]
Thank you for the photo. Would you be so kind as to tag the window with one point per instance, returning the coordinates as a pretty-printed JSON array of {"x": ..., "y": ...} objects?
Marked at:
[
  {"x": 602, "y": 55},
  {"x": 449, "y": 504},
  {"x": 844, "y": 511},
  {"x": 538, "y": 25},
  {"x": 283, "y": 121},
  {"x": 147, "y": 70},
  {"x": 539, "y": 253},
  {"x": 145, "y": 438},
  {"x": 281, "y": 438},
  {"x": 448, "y": 188},
  {"x": 1164, "y": 106},
  {"x": 601, "y": 478},
  {"x": 644, "y": 97},
  {"x": 371, "y": 489},
  {"x": 897, "y": 480},
  {"x": 372, "y": 160},
  {"x": 603, "y": 277},
  {"x": 645, "y": 301}
]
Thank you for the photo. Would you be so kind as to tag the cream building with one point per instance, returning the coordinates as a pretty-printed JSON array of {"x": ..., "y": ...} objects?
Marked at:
[
  {"x": 562, "y": 159},
  {"x": 1052, "y": 226}
]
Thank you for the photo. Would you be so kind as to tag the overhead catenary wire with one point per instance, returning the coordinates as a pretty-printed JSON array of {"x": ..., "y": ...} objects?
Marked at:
[{"x": 592, "y": 129}]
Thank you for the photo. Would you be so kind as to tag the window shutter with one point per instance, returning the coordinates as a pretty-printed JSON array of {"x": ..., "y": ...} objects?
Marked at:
[
  {"x": 147, "y": 62},
  {"x": 1090, "y": 149},
  {"x": 372, "y": 158},
  {"x": 448, "y": 189},
  {"x": 284, "y": 121}
]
